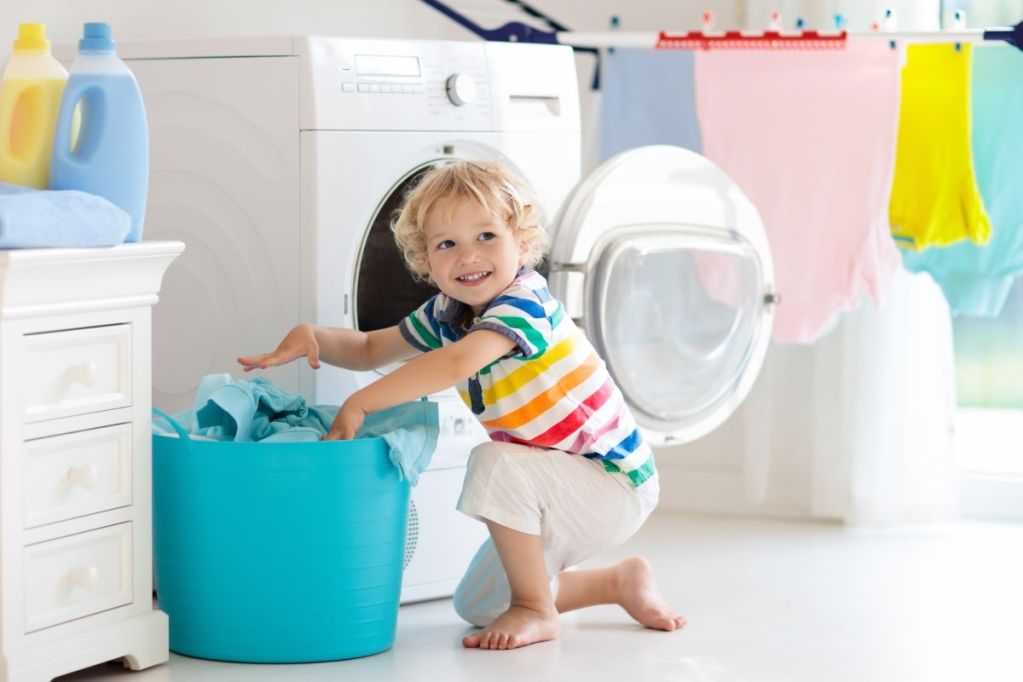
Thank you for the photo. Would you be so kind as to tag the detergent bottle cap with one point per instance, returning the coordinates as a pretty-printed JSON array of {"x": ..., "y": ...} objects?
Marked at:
[
  {"x": 96, "y": 38},
  {"x": 31, "y": 37}
]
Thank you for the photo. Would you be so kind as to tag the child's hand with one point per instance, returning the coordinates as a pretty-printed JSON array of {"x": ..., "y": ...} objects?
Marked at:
[
  {"x": 347, "y": 422},
  {"x": 300, "y": 341}
]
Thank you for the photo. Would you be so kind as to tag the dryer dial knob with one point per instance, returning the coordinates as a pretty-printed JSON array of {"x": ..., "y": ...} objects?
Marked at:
[{"x": 461, "y": 89}]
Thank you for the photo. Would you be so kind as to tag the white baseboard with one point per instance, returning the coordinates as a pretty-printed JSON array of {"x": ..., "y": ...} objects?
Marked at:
[
  {"x": 716, "y": 492},
  {"x": 993, "y": 497}
]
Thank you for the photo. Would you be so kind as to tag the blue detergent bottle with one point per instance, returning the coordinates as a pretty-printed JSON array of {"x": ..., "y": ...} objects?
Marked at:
[{"x": 111, "y": 154}]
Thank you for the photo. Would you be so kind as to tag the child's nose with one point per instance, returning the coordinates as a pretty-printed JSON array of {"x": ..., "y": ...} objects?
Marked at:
[{"x": 466, "y": 253}]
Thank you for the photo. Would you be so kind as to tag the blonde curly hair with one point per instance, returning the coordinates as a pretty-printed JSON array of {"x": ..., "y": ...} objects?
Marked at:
[{"x": 491, "y": 186}]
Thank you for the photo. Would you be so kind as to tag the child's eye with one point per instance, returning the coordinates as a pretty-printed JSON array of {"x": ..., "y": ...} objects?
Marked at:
[
  {"x": 486, "y": 236},
  {"x": 446, "y": 244}
]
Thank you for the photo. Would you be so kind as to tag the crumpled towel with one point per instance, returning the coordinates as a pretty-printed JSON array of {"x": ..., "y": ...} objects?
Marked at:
[
  {"x": 31, "y": 218},
  {"x": 259, "y": 410}
]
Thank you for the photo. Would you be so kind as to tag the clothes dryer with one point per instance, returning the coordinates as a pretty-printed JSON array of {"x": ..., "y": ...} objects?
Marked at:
[{"x": 280, "y": 162}]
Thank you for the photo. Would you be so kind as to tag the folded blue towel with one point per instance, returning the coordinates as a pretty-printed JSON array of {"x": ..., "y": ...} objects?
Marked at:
[
  {"x": 258, "y": 410},
  {"x": 31, "y": 218}
]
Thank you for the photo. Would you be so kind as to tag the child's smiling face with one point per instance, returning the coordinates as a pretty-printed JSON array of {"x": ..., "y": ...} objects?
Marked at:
[{"x": 472, "y": 255}]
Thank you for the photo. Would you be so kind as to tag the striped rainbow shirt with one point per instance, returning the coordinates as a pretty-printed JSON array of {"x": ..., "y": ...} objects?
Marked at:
[{"x": 552, "y": 390}]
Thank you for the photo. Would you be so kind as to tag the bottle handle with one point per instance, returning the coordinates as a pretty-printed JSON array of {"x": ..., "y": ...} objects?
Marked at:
[
  {"x": 7, "y": 106},
  {"x": 62, "y": 138}
]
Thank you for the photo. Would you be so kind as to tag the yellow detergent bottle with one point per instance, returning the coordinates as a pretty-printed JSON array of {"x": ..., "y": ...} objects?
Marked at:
[{"x": 33, "y": 83}]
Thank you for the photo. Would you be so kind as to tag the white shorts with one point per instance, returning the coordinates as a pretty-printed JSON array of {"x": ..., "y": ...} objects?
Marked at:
[{"x": 570, "y": 501}]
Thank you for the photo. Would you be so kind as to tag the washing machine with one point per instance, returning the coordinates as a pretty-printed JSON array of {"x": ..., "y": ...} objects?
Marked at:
[{"x": 280, "y": 162}]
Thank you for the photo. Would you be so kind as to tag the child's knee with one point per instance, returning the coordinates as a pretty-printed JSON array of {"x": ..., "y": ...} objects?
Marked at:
[
  {"x": 483, "y": 592},
  {"x": 471, "y": 609}
]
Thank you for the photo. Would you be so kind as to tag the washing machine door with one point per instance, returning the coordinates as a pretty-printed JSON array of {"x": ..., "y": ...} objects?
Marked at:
[{"x": 663, "y": 261}]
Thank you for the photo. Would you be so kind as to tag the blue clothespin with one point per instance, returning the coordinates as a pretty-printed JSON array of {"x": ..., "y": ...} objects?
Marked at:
[
  {"x": 958, "y": 24},
  {"x": 615, "y": 23},
  {"x": 800, "y": 23},
  {"x": 889, "y": 24},
  {"x": 839, "y": 20}
]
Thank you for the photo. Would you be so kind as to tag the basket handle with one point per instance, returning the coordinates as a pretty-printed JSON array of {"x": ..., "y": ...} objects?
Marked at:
[{"x": 182, "y": 434}]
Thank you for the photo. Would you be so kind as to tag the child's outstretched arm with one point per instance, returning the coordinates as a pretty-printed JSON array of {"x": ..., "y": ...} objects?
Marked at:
[
  {"x": 346, "y": 348},
  {"x": 425, "y": 374}
]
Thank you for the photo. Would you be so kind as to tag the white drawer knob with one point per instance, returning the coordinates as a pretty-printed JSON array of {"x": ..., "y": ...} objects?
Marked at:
[
  {"x": 87, "y": 373},
  {"x": 86, "y": 476},
  {"x": 86, "y": 577}
]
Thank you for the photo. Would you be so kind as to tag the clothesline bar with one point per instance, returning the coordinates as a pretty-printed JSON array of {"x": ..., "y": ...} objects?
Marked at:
[{"x": 779, "y": 40}]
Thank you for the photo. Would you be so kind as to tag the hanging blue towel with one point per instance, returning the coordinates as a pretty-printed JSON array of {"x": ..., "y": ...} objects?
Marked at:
[
  {"x": 976, "y": 279},
  {"x": 258, "y": 410},
  {"x": 32, "y": 218},
  {"x": 648, "y": 99}
]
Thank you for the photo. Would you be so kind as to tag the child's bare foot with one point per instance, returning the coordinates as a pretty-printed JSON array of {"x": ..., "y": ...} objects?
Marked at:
[
  {"x": 638, "y": 595},
  {"x": 518, "y": 626}
]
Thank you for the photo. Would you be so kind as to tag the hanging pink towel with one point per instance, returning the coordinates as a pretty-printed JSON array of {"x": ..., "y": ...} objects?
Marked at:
[{"x": 810, "y": 138}]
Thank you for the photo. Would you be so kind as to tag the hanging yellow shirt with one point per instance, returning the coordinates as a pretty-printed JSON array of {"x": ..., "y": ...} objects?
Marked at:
[{"x": 935, "y": 200}]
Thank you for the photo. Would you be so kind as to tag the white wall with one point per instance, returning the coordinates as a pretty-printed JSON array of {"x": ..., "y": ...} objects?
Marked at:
[
  {"x": 911, "y": 14},
  {"x": 148, "y": 19}
]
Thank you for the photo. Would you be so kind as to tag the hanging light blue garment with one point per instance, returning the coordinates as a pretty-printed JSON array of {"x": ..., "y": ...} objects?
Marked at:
[
  {"x": 976, "y": 279},
  {"x": 648, "y": 98},
  {"x": 259, "y": 410}
]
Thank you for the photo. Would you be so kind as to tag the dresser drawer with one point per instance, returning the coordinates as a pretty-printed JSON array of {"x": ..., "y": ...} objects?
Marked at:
[
  {"x": 77, "y": 371},
  {"x": 79, "y": 473},
  {"x": 77, "y": 575}
]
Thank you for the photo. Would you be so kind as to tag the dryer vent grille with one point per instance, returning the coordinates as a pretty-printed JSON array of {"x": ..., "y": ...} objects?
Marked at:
[{"x": 411, "y": 532}]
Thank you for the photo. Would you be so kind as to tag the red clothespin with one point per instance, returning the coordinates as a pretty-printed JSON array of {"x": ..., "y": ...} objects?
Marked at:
[
  {"x": 774, "y": 23},
  {"x": 707, "y": 21}
]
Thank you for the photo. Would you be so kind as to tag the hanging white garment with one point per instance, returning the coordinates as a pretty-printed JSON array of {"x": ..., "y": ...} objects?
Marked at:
[{"x": 856, "y": 428}]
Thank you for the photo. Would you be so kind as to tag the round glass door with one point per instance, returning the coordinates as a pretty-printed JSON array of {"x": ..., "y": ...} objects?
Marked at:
[
  {"x": 379, "y": 306},
  {"x": 679, "y": 316}
]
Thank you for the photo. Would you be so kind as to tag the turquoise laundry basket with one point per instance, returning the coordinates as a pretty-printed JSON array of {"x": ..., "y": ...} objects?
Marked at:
[{"x": 278, "y": 552}]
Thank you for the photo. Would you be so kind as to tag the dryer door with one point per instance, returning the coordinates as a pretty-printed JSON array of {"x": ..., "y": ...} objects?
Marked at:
[{"x": 664, "y": 263}]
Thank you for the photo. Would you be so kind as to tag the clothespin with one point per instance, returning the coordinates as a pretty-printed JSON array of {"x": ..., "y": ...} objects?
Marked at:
[
  {"x": 839, "y": 20},
  {"x": 774, "y": 24},
  {"x": 958, "y": 24},
  {"x": 800, "y": 23},
  {"x": 707, "y": 22},
  {"x": 889, "y": 23},
  {"x": 614, "y": 23}
]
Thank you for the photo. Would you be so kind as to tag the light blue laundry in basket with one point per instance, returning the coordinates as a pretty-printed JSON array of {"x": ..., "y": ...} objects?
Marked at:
[
  {"x": 976, "y": 279},
  {"x": 648, "y": 99},
  {"x": 259, "y": 410},
  {"x": 31, "y": 218}
]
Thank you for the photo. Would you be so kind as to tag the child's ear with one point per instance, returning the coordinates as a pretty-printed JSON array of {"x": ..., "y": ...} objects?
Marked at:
[{"x": 523, "y": 250}]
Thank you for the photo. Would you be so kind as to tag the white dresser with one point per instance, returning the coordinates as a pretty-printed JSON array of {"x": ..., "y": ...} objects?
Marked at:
[{"x": 75, "y": 462}]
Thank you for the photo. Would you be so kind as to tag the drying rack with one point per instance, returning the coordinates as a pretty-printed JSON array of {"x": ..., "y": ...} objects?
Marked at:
[{"x": 707, "y": 38}]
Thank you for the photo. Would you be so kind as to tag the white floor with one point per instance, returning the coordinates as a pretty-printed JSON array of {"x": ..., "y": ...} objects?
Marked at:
[{"x": 767, "y": 601}]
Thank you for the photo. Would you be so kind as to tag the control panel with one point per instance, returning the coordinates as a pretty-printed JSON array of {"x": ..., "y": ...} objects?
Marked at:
[{"x": 357, "y": 84}]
